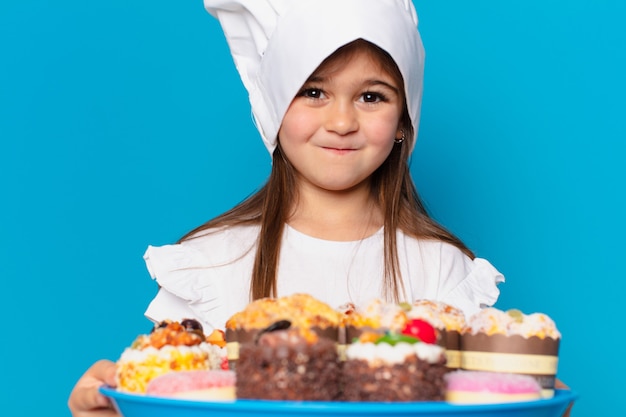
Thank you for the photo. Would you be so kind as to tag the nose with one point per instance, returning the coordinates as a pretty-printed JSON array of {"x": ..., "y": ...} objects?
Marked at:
[{"x": 341, "y": 117}]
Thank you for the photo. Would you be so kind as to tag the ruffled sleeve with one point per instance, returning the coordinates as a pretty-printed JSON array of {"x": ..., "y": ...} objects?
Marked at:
[
  {"x": 478, "y": 289},
  {"x": 188, "y": 286}
]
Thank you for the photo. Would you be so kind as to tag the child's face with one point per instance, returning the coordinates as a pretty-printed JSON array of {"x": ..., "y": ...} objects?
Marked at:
[{"x": 341, "y": 126}]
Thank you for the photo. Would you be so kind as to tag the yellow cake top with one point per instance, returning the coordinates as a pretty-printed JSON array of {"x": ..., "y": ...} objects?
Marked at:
[{"x": 302, "y": 310}]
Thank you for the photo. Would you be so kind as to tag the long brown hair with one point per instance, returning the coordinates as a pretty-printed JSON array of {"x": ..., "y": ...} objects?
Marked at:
[{"x": 392, "y": 188}]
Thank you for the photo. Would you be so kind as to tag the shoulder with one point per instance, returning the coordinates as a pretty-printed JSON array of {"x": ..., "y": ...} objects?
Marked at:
[
  {"x": 239, "y": 232},
  {"x": 433, "y": 250},
  {"x": 446, "y": 273},
  {"x": 446, "y": 258},
  {"x": 211, "y": 248},
  {"x": 223, "y": 244},
  {"x": 198, "y": 275}
]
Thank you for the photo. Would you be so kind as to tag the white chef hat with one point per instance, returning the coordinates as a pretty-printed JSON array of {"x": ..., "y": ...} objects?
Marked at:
[{"x": 277, "y": 44}]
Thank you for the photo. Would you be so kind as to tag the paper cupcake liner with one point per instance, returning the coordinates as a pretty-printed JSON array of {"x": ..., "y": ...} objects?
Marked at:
[
  {"x": 235, "y": 337},
  {"x": 451, "y": 341},
  {"x": 353, "y": 332}
]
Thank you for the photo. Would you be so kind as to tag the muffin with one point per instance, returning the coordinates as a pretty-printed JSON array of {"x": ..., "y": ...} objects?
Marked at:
[
  {"x": 301, "y": 310},
  {"x": 511, "y": 341}
]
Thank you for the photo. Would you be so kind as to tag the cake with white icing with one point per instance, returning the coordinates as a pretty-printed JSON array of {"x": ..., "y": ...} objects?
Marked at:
[{"x": 397, "y": 366}]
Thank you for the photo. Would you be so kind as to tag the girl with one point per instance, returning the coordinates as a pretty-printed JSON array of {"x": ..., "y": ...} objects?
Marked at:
[{"x": 335, "y": 88}]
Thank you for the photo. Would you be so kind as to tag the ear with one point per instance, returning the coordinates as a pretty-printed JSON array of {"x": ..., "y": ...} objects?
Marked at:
[{"x": 400, "y": 133}]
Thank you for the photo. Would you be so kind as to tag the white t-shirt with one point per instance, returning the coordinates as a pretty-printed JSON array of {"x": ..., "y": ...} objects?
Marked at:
[{"x": 208, "y": 278}]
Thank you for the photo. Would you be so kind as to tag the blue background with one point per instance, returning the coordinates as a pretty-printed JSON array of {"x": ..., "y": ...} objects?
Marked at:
[{"x": 124, "y": 124}]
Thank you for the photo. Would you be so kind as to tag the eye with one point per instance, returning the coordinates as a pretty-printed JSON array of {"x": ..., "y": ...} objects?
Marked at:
[
  {"x": 372, "y": 97},
  {"x": 315, "y": 93}
]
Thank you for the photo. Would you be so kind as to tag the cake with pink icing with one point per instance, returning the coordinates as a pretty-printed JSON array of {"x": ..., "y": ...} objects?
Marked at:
[
  {"x": 476, "y": 387},
  {"x": 212, "y": 385}
]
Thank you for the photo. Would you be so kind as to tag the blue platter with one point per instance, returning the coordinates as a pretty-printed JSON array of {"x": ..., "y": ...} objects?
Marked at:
[{"x": 136, "y": 405}]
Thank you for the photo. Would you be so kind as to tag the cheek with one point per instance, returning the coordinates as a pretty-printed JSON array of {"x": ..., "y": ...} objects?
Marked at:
[
  {"x": 297, "y": 126},
  {"x": 383, "y": 131}
]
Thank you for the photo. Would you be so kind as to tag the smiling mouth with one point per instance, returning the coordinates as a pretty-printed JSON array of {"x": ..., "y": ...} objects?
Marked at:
[{"x": 339, "y": 150}]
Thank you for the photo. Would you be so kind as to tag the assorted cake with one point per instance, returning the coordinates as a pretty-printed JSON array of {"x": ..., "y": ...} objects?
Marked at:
[
  {"x": 171, "y": 346},
  {"x": 298, "y": 348},
  {"x": 512, "y": 342}
]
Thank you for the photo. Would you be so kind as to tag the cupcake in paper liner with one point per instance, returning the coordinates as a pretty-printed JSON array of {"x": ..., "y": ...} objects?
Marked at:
[
  {"x": 448, "y": 320},
  {"x": 300, "y": 310},
  {"x": 511, "y": 341}
]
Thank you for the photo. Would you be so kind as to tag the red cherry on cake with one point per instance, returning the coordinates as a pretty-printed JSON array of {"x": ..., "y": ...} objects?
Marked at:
[{"x": 421, "y": 329}]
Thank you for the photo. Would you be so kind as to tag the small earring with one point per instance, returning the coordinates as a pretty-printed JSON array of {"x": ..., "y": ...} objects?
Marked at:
[{"x": 400, "y": 140}]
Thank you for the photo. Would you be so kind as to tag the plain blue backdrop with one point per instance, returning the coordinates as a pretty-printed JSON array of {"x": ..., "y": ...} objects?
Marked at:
[{"x": 124, "y": 124}]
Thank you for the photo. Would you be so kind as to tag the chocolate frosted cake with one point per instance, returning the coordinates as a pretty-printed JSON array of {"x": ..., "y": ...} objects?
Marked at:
[{"x": 288, "y": 364}]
